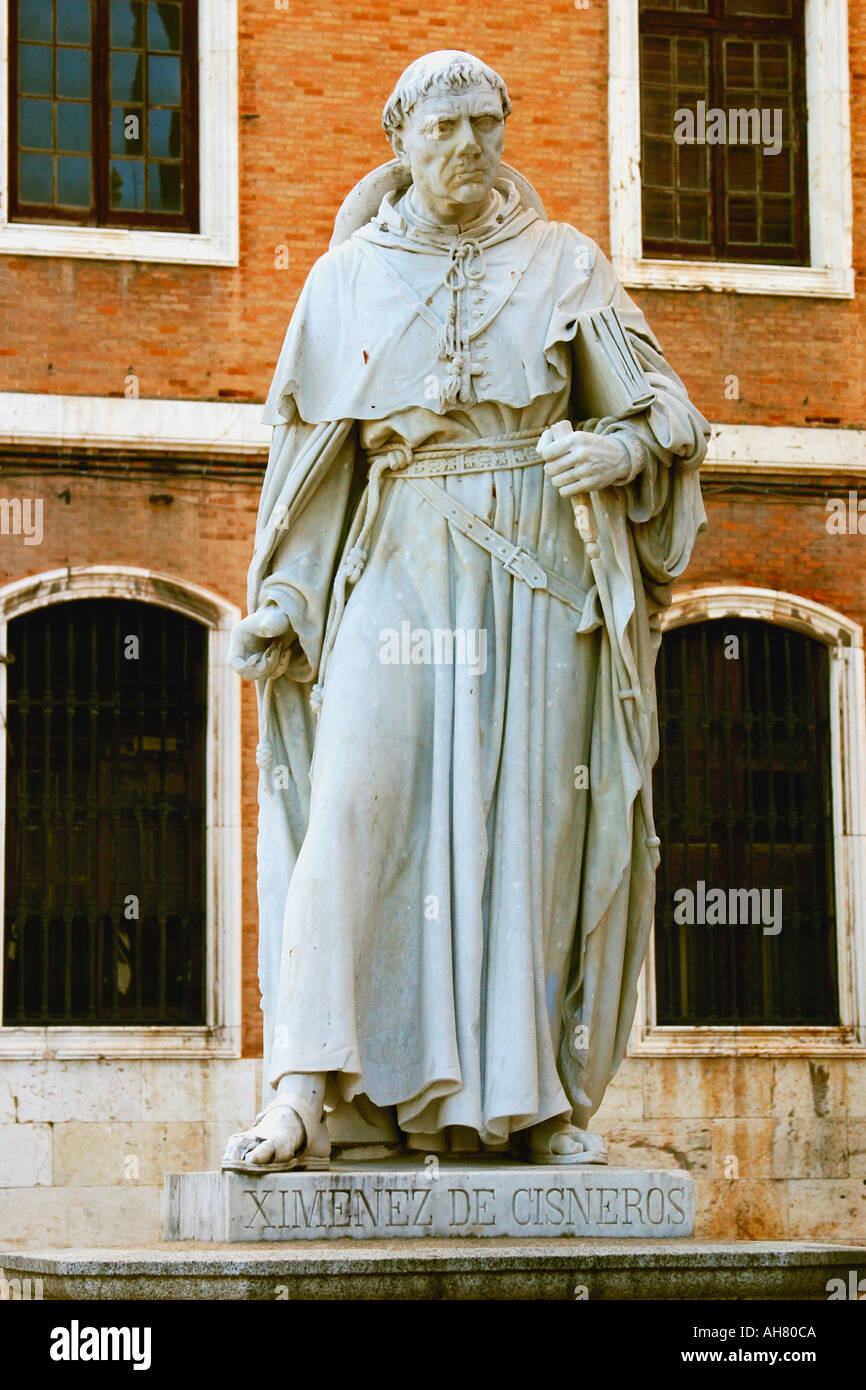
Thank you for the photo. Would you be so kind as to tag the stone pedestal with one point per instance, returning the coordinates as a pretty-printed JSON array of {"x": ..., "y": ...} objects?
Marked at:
[
  {"x": 441, "y": 1199},
  {"x": 421, "y": 1270}
]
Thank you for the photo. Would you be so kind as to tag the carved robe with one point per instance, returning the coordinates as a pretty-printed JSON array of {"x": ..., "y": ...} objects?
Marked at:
[{"x": 455, "y": 908}]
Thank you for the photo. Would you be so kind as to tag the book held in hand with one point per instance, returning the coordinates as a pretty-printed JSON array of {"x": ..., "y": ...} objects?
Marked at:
[{"x": 608, "y": 378}]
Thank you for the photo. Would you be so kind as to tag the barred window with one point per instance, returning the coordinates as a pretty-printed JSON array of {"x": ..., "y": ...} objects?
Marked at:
[
  {"x": 103, "y": 112},
  {"x": 723, "y": 130},
  {"x": 105, "y": 816},
  {"x": 743, "y": 803}
]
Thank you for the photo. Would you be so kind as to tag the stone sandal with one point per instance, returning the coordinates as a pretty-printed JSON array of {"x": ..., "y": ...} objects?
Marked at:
[
  {"x": 593, "y": 1150},
  {"x": 315, "y": 1153}
]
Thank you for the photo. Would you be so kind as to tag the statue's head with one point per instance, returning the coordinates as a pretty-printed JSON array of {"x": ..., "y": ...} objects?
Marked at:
[{"x": 445, "y": 121}]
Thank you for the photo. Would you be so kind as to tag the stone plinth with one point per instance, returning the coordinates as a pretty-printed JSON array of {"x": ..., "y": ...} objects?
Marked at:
[
  {"x": 406, "y": 1199},
  {"x": 561, "y": 1270}
]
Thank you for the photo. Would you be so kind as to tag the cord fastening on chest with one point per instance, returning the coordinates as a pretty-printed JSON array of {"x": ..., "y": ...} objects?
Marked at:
[{"x": 466, "y": 266}]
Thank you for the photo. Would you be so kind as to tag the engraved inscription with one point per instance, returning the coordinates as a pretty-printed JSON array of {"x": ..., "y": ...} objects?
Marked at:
[{"x": 293, "y": 1207}]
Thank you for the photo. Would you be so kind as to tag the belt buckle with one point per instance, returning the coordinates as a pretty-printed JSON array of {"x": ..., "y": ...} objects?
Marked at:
[{"x": 513, "y": 562}]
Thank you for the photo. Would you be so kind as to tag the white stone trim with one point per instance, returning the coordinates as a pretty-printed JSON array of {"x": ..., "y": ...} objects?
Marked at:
[
  {"x": 220, "y": 1035},
  {"x": 830, "y": 273},
  {"x": 222, "y": 428},
  {"x": 217, "y": 241},
  {"x": 791, "y": 449},
  {"x": 848, "y": 762},
  {"x": 151, "y": 426}
]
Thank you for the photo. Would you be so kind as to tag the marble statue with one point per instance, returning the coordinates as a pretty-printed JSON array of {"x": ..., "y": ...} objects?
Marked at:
[{"x": 455, "y": 681}]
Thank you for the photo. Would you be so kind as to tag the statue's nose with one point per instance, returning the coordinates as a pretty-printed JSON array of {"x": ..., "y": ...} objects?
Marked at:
[{"x": 467, "y": 139}]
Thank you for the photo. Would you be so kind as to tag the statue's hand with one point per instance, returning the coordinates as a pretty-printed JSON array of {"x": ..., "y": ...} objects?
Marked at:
[
  {"x": 251, "y": 639},
  {"x": 584, "y": 462}
]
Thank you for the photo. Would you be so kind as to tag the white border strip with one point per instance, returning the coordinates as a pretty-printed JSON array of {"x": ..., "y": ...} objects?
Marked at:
[
  {"x": 32, "y": 420},
  {"x": 94, "y": 422}
]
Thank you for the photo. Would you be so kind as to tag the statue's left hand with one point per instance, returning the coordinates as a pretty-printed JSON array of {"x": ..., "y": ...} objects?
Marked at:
[
  {"x": 251, "y": 648},
  {"x": 584, "y": 462}
]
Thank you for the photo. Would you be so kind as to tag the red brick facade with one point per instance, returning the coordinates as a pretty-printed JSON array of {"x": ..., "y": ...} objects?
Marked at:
[{"x": 313, "y": 80}]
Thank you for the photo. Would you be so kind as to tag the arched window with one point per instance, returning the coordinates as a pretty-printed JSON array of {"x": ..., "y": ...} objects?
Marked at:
[
  {"x": 759, "y": 942},
  {"x": 745, "y": 914},
  {"x": 105, "y": 788},
  {"x": 120, "y": 787}
]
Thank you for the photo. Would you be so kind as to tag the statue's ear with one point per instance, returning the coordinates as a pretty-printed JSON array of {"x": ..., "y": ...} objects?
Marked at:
[{"x": 398, "y": 145}]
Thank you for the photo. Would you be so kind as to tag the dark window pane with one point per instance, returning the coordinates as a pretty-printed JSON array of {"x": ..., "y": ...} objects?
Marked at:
[
  {"x": 656, "y": 58},
  {"x": 163, "y": 134},
  {"x": 691, "y": 61},
  {"x": 756, "y": 81},
  {"x": 776, "y": 172},
  {"x": 740, "y": 65},
  {"x": 163, "y": 187},
  {"x": 35, "y": 70},
  {"x": 163, "y": 81},
  {"x": 773, "y": 66},
  {"x": 742, "y": 168},
  {"x": 658, "y": 111},
  {"x": 36, "y": 178},
  {"x": 62, "y": 69},
  {"x": 126, "y": 183},
  {"x": 127, "y": 130},
  {"x": 35, "y": 125},
  {"x": 742, "y": 793},
  {"x": 777, "y": 227},
  {"x": 73, "y": 72},
  {"x": 35, "y": 20},
  {"x": 658, "y": 163},
  {"x": 127, "y": 77},
  {"x": 743, "y": 220},
  {"x": 127, "y": 24},
  {"x": 163, "y": 27},
  {"x": 73, "y": 21},
  {"x": 692, "y": 166},
  {"x": 73, "y": 125},
  {"x": 73, "y": 181},
  {"x": 694, "y": 217},
  {"x": 659, "y": 214},
  {"x": 106, "y": 797}
]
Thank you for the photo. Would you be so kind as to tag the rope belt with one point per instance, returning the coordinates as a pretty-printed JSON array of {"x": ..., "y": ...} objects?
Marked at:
[{"x": 418, "y": 466}]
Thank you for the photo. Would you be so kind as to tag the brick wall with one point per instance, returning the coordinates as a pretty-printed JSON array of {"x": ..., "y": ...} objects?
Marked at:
[{"x": 313, "y": 81}]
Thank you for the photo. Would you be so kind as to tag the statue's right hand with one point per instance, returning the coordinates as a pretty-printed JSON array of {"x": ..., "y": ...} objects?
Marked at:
[{"x": 255, "y": 648}]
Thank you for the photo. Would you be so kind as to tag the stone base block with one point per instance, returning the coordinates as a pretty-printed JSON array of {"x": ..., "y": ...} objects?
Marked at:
[{"x": 406, "y": 1198}]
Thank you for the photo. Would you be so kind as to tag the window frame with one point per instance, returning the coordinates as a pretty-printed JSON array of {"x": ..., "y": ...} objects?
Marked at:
[
  {"x": 101, "y": 153},
  {"x": 715, "y": 28},
  {"x": 829, "y": 273},
  {"x": 847, "y": 703},
  {"x": 219, "y": 1035},
  {"x": 216, "y": 242}
]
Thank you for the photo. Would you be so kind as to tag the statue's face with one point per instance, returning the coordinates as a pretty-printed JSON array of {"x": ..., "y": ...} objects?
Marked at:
[{"x": 452, "y": 142}]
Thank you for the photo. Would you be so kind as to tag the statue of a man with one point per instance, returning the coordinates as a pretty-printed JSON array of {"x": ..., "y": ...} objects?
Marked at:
[{"x": 456, "y": 689}]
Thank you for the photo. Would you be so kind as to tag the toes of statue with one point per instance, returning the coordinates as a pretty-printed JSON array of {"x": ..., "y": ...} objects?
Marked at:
[
  {"x": 566, "y": 1142},
  {"x": 264, "y": 1152},
  {"x": 236, "y": 1148}
]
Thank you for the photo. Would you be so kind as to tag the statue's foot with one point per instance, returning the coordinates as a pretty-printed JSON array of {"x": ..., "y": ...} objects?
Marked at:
[
  {"x": 558, "y": 1142},
  {"x": 289, "y": 1133}
]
